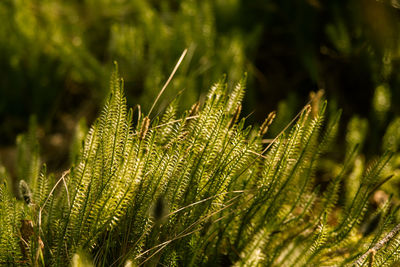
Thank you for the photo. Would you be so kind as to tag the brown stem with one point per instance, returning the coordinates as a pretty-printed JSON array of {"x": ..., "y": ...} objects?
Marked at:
[{"x": 378, "y": 246}]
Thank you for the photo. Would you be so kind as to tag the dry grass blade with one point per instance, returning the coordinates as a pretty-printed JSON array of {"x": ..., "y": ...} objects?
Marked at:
[
  {"x": 184, "y": 232},
  {"x": 65, "y": 173},
  {"x": 307, "y": 106},
  {"x": 201, "y": 201},
  {"x": 378, "y": 246},
  {"x": 169, "y": 80},
  {"x": 175, "y": 121}
]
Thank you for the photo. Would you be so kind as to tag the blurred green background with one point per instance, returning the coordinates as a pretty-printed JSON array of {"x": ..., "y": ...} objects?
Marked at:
[{"x": 56, "y": 59}]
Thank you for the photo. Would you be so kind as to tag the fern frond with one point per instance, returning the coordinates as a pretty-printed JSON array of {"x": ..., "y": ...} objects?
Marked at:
[{"x": 10, "y": 216}]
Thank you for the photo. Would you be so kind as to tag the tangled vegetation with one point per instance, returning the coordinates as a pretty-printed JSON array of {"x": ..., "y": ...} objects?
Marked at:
[
  {"x": 171, "y": 185},
  {"x": 200, "y": 188}
]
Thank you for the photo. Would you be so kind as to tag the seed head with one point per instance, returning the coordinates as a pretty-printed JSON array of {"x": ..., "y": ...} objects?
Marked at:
[
  {"x": 268, "y": 121},
  {"x": 25, "y": 192},
  {"x": 194, "y": 109},
  {"x": 235, "y": 117},
  {"x": 145, "y": 128}
]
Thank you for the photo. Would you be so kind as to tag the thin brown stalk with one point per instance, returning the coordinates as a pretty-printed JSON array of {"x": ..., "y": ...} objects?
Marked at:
[{"x": 378, "y": 246}]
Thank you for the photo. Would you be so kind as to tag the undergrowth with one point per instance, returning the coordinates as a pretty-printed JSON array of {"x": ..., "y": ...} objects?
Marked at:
[{"x": 198, "y": 189}]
